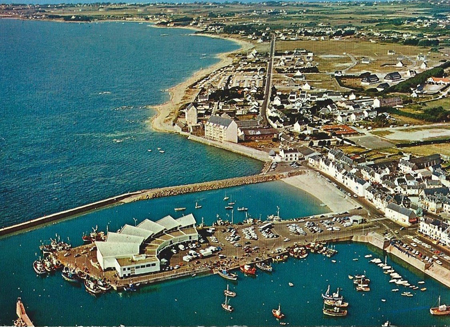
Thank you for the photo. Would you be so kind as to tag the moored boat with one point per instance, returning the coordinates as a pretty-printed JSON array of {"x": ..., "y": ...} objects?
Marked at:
[
  {"x": 440, "y": 310},
  {"x": 39, "y": 268},
  {"x": 248, "y": 269},
  {"x": 242, "y": 209},
  {"x": 103, "y": 285},
  {"x": 334, "y": 296},
  {"x": 93, "y": 236},
  {"x": 227, "y": 274},
  {"x": 180, "y": 209},
  {"x": 226, "y": 305},
  {"x": 264, "y": 266},
  {"x": 277, "y": 313},
  {"x": 334, "y": 312},
  {"x": 92, "y": 287},
  {"x": 69, "y": 275},
  {"x": 280, "y": 258},
  {"x": 229, "y": 293},
  {"x": 338, "y": 303}
]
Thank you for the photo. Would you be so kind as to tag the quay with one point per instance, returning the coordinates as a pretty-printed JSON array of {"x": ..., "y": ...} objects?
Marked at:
[
  {"x": 230, "y": 256},
  {"x": 146, "y": 195}
]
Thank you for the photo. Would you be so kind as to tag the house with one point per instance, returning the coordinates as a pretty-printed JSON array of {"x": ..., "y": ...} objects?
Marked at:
[
  {"x": 438, "y": 80},
  {"x": 381, "y": 87},
  {"x": 394, "y": 76},
  {"x": 288, "y": 155},
  {"x": 221, "y": 129},
  {"x": 387, "y": 102},
  {"x": 371, "y": 79},
  {"x": 191, "y": 115},
  {"x": 435, "y": 229},
  {"x": 400, "y": 215}
]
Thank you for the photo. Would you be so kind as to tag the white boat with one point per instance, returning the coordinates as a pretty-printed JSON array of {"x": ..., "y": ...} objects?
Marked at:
[
  {"x": 368, "y": 256},
  {"x": 242, "y": 209},
  {"x": 226, "y": 306},
  {"x": 162, "y": 151},
  {"x": 197, "y": 206},
  {"x": 180, "y": 209},
  {"x": 395, "y": 290},
  {"x": 225, "y": 198},
  {"x": 229, "y": 293},
  {"x": 291, "y": 284}
]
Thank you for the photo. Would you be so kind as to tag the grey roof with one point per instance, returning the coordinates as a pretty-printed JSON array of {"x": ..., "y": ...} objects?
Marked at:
[
  {"x": 400, "y": 209},
  {"x": 220, "y": 121}
]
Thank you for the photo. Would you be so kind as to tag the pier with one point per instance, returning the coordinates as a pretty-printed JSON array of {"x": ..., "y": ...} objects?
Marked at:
[{"x": 146, "y": 195}]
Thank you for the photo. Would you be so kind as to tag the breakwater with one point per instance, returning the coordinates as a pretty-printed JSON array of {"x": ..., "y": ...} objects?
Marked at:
[
  {"x": 207, "y": 186},
  {"x": 146, "y": 195}
]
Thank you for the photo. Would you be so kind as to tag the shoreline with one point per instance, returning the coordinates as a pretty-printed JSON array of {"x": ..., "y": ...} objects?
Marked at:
[
  {"x": 162, "y": 121},
  {"x": 316, "y": 185}
]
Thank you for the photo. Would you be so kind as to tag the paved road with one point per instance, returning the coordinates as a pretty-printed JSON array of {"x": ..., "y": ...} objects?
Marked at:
[{"x": 268, "y": 88}]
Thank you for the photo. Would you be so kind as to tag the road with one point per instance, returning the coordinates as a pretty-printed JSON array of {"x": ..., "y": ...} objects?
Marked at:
[{"x": 268, "y": 88}]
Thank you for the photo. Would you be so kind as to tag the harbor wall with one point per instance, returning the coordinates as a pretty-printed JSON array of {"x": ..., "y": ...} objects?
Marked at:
[
  {"x": 232, "y": 147},
  {"x": 207, "y": 186},
  {"x": 434, "y": 271},
  {"x": 65, "y": 214},
  {"x": 146, "y": 195}
]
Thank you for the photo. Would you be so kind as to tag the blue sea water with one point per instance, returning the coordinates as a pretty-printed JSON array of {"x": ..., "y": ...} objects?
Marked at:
[
  {"x": 74, "y": 119},
  {"x": 64, "y": 142}
]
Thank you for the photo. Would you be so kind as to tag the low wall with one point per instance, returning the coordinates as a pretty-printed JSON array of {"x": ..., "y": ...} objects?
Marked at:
[
  {"x": 233, "y": 147},
  {"x": 65, "y": 214}
]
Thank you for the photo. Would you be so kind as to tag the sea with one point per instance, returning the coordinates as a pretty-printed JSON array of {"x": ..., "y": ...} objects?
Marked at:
[{"x": 75, "y": 104}]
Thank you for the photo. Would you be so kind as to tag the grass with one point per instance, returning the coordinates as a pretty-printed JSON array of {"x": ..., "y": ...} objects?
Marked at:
[
  {"x": 425, "y": 150},
  {"x": 381, "y": 133}
]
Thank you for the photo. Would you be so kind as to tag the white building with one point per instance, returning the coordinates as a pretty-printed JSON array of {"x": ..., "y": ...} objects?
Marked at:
[
  {"x": 400, "y": 215},
  {"x": 134, "y": 250},
  {"x": 221, "y": 129},
  {"x": 435, "y": 229}
]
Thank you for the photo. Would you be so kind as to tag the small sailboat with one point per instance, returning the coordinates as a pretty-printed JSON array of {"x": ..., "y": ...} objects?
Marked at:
[
  {"x": 226, "y": 306},
  {"x": 197, "y": 206},
  {"x": 180, "y": 209},
  {"x": 226, "y": 197},
  {"x": 277, "y": 312},
  {"x": 229, "y": 293}
]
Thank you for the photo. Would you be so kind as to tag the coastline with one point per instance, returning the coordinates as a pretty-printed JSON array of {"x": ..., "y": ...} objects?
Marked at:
[
  {"x": 316, "y": 185},
  {"x": 162, "y": 121}
]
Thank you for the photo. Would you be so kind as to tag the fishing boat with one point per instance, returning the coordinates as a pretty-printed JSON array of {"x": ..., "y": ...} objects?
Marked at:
[
  {"x": 93, "y": 236},
  {"x": 423, "y": 289},
  {"x": 81, "y": 274},
  {"x": 264, "y": 266},
  {"x": 131, "y": 287},
  {"x": 277, "y": 312},
  {"x": 103, "y": 285},
  {"x": 228, "y": 207},
  {"x": 39, "y": 268},
  {"x": 440, "y": 310},
  {"x": 197, "y": 206},
  {"x": 280, "y": 258},
  {"x": 362, "y": 288},
  {"x": 334, "y": 312},
  {"x": 91, "y": 287},
  {"x": 248, "y": 269},
  {"x": 226, "y": 306},
  {"x": 69, "y": 275},
  {"x": 227, "y": 274},
  {"x": 338, "y": 303},
  {"x": 180, "y": 209},
  {"x": 229, "y": 293},
  {"x": 242, "y": 209},
  {"x": 334, "y": 296}
]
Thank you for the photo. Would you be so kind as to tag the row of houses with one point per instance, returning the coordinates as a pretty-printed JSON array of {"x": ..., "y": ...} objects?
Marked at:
[{"x": 402, "y": 194}]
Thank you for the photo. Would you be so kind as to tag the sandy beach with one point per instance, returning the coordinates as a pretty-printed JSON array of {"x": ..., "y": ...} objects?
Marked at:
[
  {"x": 319, "y": 187},
  {"x": 163, "y": 120}
]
